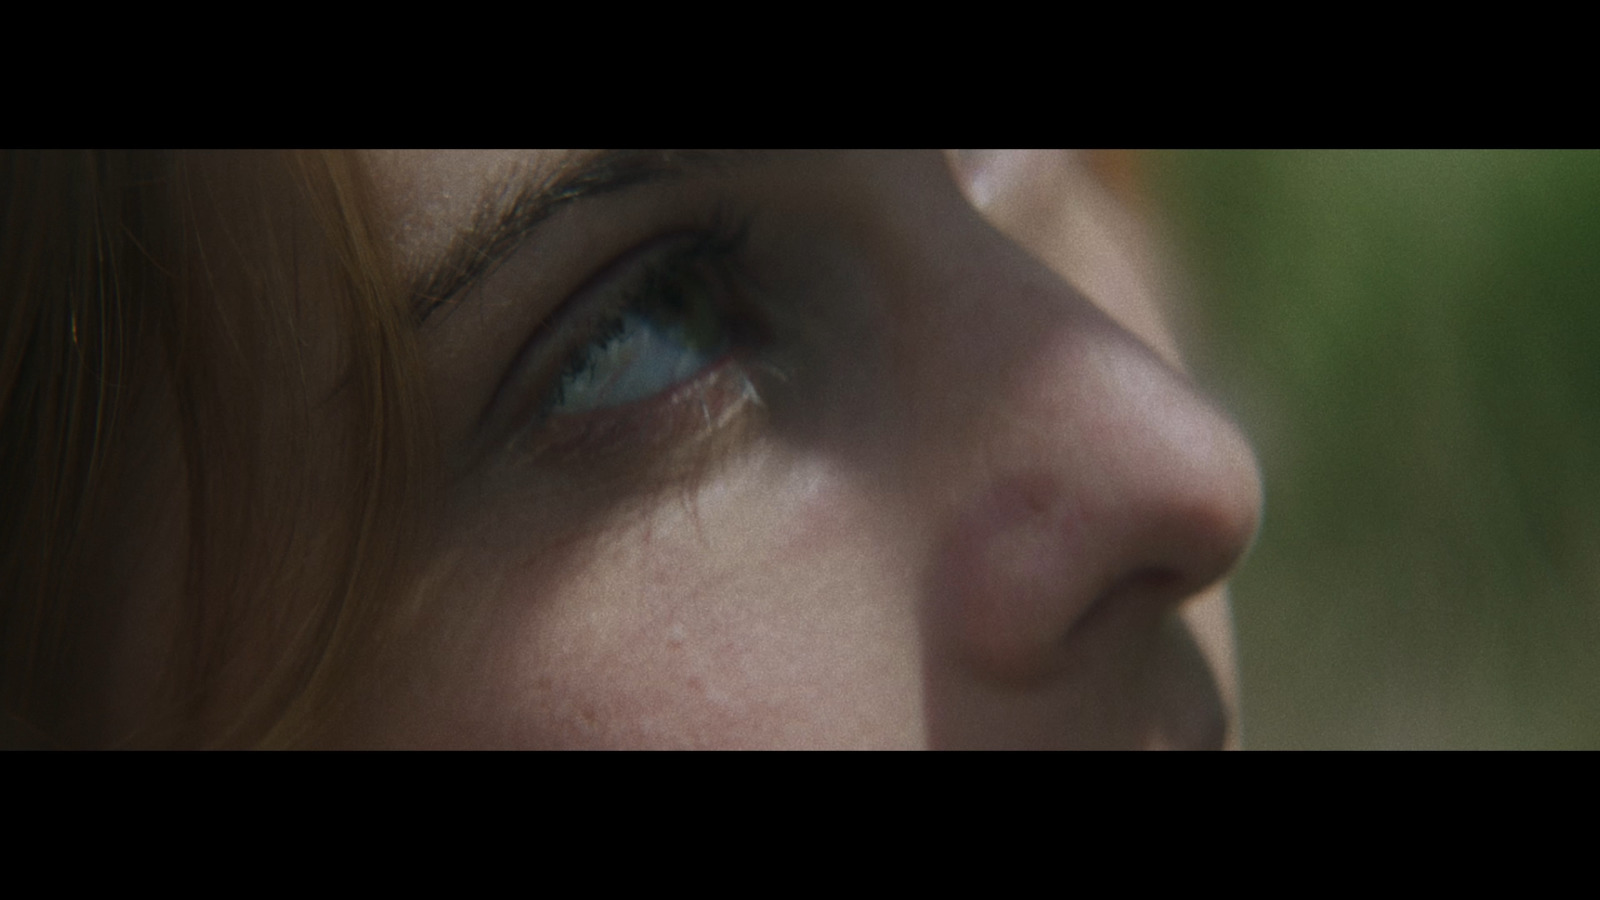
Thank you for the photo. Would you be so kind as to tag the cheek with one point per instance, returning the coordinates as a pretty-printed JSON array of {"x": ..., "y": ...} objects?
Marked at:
[{"x": 767, "y": 607}]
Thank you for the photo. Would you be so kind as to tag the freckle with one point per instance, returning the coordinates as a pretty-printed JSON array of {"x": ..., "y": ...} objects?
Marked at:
[
  {"x": 589, "y": 715},
  {"x": 695, "y": 684}
]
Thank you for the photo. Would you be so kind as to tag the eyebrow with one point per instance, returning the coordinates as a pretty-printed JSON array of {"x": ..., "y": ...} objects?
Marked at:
[{"x": 516, "y": 204}]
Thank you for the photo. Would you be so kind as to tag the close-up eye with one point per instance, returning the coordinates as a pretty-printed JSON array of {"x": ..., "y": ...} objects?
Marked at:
[
  {"x": 663, "y": 327},
  {"x": 658, "y": 345}
]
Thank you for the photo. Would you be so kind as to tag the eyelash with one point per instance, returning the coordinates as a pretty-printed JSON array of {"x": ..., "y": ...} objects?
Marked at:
[{"x": 682, "y": 280}]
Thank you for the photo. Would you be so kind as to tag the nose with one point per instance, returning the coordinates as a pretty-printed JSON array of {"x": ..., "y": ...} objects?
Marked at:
[
  {"x": 1073, "y": 491},
  {"x": 1103, "y": 480}
]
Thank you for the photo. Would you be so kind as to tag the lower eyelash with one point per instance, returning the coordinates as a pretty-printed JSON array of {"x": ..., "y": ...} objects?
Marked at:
[{"x": 669, "y": 428}]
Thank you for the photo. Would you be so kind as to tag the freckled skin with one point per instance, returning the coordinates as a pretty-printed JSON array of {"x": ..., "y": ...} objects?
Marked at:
[{"x": 983, "y": 510}]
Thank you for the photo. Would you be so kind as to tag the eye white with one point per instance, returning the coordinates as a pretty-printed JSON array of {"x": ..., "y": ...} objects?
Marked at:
[{"x": 640, "y": 361}]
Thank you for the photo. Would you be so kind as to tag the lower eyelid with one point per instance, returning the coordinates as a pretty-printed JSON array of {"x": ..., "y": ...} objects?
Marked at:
[{"x": 681, "y": 416}]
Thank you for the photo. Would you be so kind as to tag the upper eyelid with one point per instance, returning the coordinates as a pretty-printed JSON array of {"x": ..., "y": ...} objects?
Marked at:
[{"x": 501, "y": 227}]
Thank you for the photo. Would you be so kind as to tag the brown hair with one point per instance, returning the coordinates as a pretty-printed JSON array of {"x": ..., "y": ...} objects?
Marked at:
[{"x": 210, "y": 449}]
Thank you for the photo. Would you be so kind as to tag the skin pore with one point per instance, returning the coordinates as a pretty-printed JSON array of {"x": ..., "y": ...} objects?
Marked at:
[{"x": 884, "y": 476}]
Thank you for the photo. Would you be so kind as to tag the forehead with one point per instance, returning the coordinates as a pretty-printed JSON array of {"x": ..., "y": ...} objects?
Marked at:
[{"x": 431, "y": 195}]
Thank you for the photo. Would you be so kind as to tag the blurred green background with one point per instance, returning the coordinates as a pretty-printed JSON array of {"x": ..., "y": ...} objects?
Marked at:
[{"x": 1409, "y": 338}]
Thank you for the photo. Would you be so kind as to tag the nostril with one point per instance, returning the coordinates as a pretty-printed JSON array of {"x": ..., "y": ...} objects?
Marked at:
[{"x": 1154, "y": 581}]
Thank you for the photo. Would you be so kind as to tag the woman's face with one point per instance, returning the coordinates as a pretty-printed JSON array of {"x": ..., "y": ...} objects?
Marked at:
[{"x": 802, "y": 450}]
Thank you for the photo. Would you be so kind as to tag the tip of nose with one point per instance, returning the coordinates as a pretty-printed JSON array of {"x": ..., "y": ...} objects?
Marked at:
[{"x": 1218, "y": 513}]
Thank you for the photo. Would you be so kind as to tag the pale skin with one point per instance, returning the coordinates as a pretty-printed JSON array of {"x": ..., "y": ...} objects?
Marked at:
[
  {"x": 904, "y": 457},
  {"x": 946, "y": 500}
]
